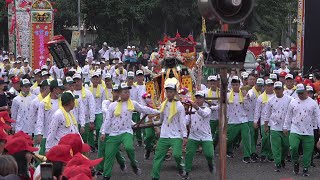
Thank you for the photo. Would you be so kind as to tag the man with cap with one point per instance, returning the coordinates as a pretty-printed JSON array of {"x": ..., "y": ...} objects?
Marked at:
[
  {"x": 48, "y": 106},
  {"x": 200, "y": 134},
  {"x": 245, "y": 77},
  {"x": 260, "y": 109},
  {"x": 86, "y": 72},
  {"x": 17, "y": 71},
  {"x": 88, "y": 101},
  {"x": 15, "y": 89},
  {"x": 283, "y": 67},
  {"x": 251, "y": 80},
  {"x": 105, "y": 104},
  {"x": 78, "y": 110},
  {"x": 26, "y": 68},
  {"x": 114, "y": 65},
  {"x": 252, "y": 97},
  {"x": 63, "y": 121},
  {"x": 127, "y": 56},
  {"x": 282, "y": 77},
  {"x": 99, "y": 95},
  {"x": 173, "y": 131},
  {"x": 237, "y": 120},
  {"x": 21, "y": 109},
  {"x": 213, "y": 92},
  {"x": 108, "y": 83},
  {"x": 45, "y": 75},
  {"x": 105, "y": 52},
  {"x": 35, "y": 89},
  {"x": 120, "y": 74},
  {"x": 44, "y": 92},
  {"x": 273, "y": 77},
  {"x": 303, "y": 113},
  {"x": 5, "y": 69},
  {"x": 290, "y": 88},
  {"x": 118, "y": 118},
  {"x": 276, "y": 110}
]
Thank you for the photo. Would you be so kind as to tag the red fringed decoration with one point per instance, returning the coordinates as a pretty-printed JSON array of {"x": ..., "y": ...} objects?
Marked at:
[{"x": 23, "y": 4}]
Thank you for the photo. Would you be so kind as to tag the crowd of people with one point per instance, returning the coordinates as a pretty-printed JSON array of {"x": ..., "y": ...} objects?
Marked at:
[{"x": 98, "y": 105}]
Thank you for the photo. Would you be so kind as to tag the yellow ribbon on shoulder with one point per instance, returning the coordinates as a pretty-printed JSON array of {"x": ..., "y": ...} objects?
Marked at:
[
  {"x": 83, "y": 93},
  {"x": 172, "y": 111},
  {"x": 265, "y": 98},
  {"x": 98, "y": 91},
  {"x": 231, "y": 97},
  {"x": 107, "y": 94},
  {"x": 67, "y": 118},
  {"x": 118, "y": 109},
  {"x": 35, "y": 85},
  {"x": 103, "y": 84},
  {"x": 40, "y": 97},
  {"x": 20, "y": 94},
  {"x": 47, "y": 102},
  {"x": 256, "y": 92}
]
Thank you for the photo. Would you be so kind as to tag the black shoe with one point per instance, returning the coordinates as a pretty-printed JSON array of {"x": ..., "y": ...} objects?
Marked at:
[
  {"x": 270, "y": 160},
  {"x": 283, "y": 164},
  {"x": 139, "y": 143},
  {"x": 288, "y": 159},
  {"x": 263, "y": 158},
  {"x": 147, "y": 155},
  {"x": 277, "y": 169},
  {"x": 168, "y": 157},
  {"x": 155, "y": 179},
  {"x": 246, "y": 160},
  {"x": 296, "y": 168},
  {"x": 182, "y": 173},
  {"x": 230, "y": 155},
  {"x": 211, "y": 168},
  {"x": 186, "y": 176},
  {"x": 106, "y": 178},
  {"x": 305, "y": 172},
  {"x": 92, "y": 149},
  {"x": 313, "y": 164},
  {"x": 99, "y": 172},
  {"x": 136, "y": 170},
  {"x": 123, "y": 167},
  {"x": 254, "y": 158}
]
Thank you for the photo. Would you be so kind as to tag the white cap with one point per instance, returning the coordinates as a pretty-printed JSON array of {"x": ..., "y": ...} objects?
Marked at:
[
  {"x": 124, "y": 86},
  {"x": 273, "y": 76},
  {"x": 25, "y": 82},
  {"x": 130, "y": 74},
  {"x": 244, "y": 75},
  {"x": 287, "y": 49},
  {"x": 200, "y": 93},
  {"x": 170, "y": 86},
  {"x": 44, "y": 67},
  {"x": 69, "y": 80},
  {"x": 105, "y": 43},
  {"x": 97, "y": 73},
  {"x": 102, "y": 62},
  {"x": 212, "y": 78},
  {"x": 86, "y": 60},
  {"x": 18, "y": 62},
  {"x": 5, "y": 57},
  {"x": 120, "y": 62},
  {"x": 18, "y": 56},
  {"x": 26, "y": 61},
  {"x": 108, "y": 75},
  {"x": 309, "y": 88},
  {"x": 128, "y": 47},
  {"x": 36, "y": 71},
  {"x": 289, "y": 76},
  {"x": 133, "y": 47},
  {"x": 48, "y": 59},
  {"x": 97, "y": 63},
  {"x": 235, "y": 78},
  {"x": 277, "y": 84},
  {"x": 260, "y": 81},
  {"x": 139, "y": 72},
  {"x": 44, "y": 73},
  {"x": 269, "y": 81},
  {"x": 300, "y": 88},
  {"x": 76, "y": 76},
  {"x": 115, "y": 87}
]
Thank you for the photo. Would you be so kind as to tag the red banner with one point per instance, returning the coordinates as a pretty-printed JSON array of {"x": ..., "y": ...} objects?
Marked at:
[{"x": 41, "y": 35}]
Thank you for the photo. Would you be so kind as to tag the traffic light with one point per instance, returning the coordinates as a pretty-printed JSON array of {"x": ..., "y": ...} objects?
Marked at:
[{"x": 227, "y": 11}]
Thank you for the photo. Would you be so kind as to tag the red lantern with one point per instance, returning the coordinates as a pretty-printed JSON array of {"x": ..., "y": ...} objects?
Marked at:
[{"x": 55, "y": 10}]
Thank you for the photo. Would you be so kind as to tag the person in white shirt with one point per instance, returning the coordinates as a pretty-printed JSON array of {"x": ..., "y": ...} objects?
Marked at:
[
  {"x": 108, "y": 86},
  {"x": 120, "y": 74},
  {"x": 260, "y": 109},
  {"x": 21, "y": 109},
  {"x": 87, "y": 99},
  {"x": 99, "y": 95},
  {"x": 276, "y": 110},
  {"x": 63, "y": 121},
  {"x": 14, "y": 90},
  {"x": 26, "y": 68},
  {"x": 252, "y": 97},
  {"x": 35, "y": 89},
  {"x": 86, "y": 72},
  {"x": 47, "y": 108},
  {"x": 118, "y": 119},
  {"x": 90, "y": 53},
  {"x": 173, "y": 131},
  {"x": 283, "y": 68},
  {"x": 290, "y": 88},
  {"x": 17, "y": 71},
  {"x": 200, "y": 133},
  {"x": 303, "y": 113},
  {"x": 237, "y": 120},
  {"x": 105, "y": 52},
  {"x": 55, "y": 72},
  {"x": 269, "y": 54}
]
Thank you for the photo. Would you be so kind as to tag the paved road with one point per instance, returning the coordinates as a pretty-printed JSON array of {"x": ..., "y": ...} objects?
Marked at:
[{"x": 236, "y": 170}]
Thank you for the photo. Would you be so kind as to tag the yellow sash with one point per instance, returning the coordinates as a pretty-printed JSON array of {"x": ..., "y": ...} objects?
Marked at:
[
  {"x": 231, "y": 97},
  {"x": 256, "y": 92},
  {"x": 173, "y": 109},
  {"x": 98, "y": 91},
  {"x": 83, "y": 93},
  {"x": 67, "y": 118},
  {"x": 117, "y": 111},
  {"x": 47, "y": 102},
  {"x": 210, "y": 93},
  {"x": 103, "y": 84},
  {"x": 20, "y": 94},
  {"x": 107, "y": 94},
  {"x": 40, "y": 97},
  {"x": 265, "y": 98},
  {"x": 35, "y": 85}
]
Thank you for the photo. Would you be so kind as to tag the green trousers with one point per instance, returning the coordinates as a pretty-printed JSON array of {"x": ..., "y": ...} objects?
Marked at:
[
  {"x": 85, "y": 135},
  {"x": 97, "y": 123},
  {"x": 112, "y": 148},
  {"x": 265, "y": 144},
  {"x": 253, "y": 137},
  {"x": 233, "y": 131},
  {"x": 162, "y": 148},
  {"x": 150, "y": 138},
  {"x": 279, "y": 146},
  {"x": 307, "y": 147},
  {"x": 101, "y": 153},
  {"x": 214, "y": 125},
  {"x": 192, "y": 146},
  {"x": 138, "y": 132},
  {"x": 42, "y": 150}
]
